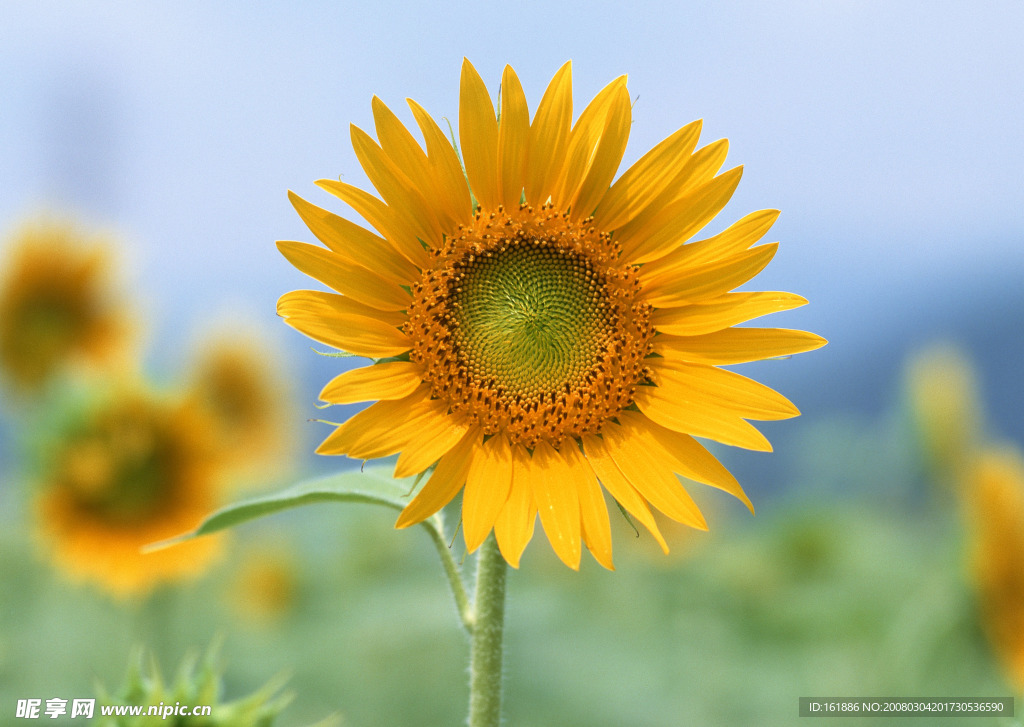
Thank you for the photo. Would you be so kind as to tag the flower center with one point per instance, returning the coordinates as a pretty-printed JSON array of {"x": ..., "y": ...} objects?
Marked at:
[
  {"x": 529, "y": 317},
  {"x": 122, "y": 469},
  {"x": 529, "y": 325}
]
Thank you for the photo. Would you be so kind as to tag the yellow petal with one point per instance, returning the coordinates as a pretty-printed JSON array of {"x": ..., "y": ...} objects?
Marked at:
[
  {"x": 558, "y": 503},
  {"x": 618, "y": 486},
  {"x": 680, "y": 220},
  {"x": 391, "y": 224},
  {"x": 700, "y": 168},
  {"x": 690, "y": 416},
  {"x": 737, "y": 345},
  {"x": 316, "y": 303},
  {"x": 607, "y": 156},
  {"x": 646, "y": 179},
  {"x": 428, "y": 445},
  {"x": 389, "y": 380},
  {"x": 352, "y": 280},
  {"x": 549, "y": 137},
  {"x": 722, "y": 312},
  {"x": 445, "y": 482},
  {"x": 513, "y": 139},
  {"x": 400, "y": 145},
  {"x": 716, "y": 388},
  {"x": 406, "y": 154},
  {"x": 583, "y": 141},
  {"x": 644, "y": 466},
  {"x": 487, "y": 486},
  {"x": 445, "y": 165},
  {"x": 388, "y": 431},
  {"x": 737, "y": 237},
  {"x": 688, "y": 457},
  {"x": 355, "y": 243},
  {"x": 709, "y": 280},
  {"x": 478, "y": 134},
  {"x": 359, "y": 335},
  {"x": 514, "y": 525},
  {"x": 399, "y": 193},
  {"x": 382, "y": 428},
  {"x": 597, "y": 530}
]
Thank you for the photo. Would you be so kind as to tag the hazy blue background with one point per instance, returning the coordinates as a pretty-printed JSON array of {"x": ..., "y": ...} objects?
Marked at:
[{"x": 889, "y": 134}]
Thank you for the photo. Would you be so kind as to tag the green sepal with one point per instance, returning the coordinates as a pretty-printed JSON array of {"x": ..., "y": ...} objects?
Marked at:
[
  {"x": 404, "y": 357},
  {"x": 627, "y": 517},
  {"x": 197, "y": 683},
  {"x": 333, "y": 354}
]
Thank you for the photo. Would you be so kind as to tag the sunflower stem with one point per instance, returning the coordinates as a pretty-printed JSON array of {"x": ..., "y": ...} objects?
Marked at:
[
  {"x": 485, "y": 658},
  {"x": 451, "y": 569}
]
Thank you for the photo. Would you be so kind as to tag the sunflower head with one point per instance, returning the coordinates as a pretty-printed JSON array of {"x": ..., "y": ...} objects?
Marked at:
[
  {"x": 238, "y": 382},
  {"x": 527, "y": 330},
  {"x": 56, "y": 304},
  {"x": 942, "y": 389},
  {"x": 266, "y": 586},
  {"x": 994, "y": 495},
  {"x": 542, "y": 332},
  {"x": 130, "y": 470}
]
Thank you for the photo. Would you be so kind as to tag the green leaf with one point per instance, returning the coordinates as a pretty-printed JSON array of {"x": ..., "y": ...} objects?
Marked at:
[{"x": 374, "y": 487}]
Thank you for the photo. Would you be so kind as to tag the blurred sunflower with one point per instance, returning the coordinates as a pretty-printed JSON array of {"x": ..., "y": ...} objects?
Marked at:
[
  {"x": 132, "y": 470},
  {"x": 995, "y": 502},
  {"x": 265, "y": 586},
  {"x": 541, "y": 329},
  {"x": 239, "y": 384},
  {"x": 943, "y": 395},
  {"x": 56, "y": 304}
]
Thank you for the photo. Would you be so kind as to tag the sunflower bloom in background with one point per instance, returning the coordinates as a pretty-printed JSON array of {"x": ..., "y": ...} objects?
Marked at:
[
  {"x": 546, "y": 329},
  {"x": 944, "y": 403},
  {"x": 266, "y": 585},
  {"x": 240, "y": 385},
  {"x": 56, "y": 304},
  {"x": 994, "y": 495},
  {"x": 130, "y": 470}
]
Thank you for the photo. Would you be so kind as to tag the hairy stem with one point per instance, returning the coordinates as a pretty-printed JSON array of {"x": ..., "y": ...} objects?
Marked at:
[{"x": 485, "y": 659}]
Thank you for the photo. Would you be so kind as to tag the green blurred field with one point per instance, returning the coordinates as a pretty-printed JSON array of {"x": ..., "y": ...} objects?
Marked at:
[{"x": 854, "y": 583}]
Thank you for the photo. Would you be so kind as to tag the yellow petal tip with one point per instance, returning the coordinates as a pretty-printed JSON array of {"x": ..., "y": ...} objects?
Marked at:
[{"x": 403, "y": 522}]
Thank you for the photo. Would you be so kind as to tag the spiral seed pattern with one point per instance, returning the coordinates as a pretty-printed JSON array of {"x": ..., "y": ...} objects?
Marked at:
[{"x": 528, "y": 324}]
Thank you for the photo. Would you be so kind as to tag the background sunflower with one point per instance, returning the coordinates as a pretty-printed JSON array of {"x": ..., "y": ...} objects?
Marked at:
[
  {"x": 129, "y": 469},
  {"x": 59, "y": 307}
]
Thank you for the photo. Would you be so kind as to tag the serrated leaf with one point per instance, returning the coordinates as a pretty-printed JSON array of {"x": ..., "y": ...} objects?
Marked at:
[{"x": 371, "y": 487}]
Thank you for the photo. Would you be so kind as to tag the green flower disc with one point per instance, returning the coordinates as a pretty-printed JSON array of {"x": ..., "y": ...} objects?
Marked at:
[{"x": 530, "y": 318}]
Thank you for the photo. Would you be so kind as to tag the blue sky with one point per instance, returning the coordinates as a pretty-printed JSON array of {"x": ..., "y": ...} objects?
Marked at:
[{"x": 888, "y": 134}]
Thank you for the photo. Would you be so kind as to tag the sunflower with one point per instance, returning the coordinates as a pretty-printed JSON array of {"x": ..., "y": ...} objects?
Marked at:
[
  {"x": 942, "y": 389},
  {"x": 995, "y": 502},
  {"x": 265, "y": 586},
  {"x": 128, "y": 472},
  {"x": 540, "y": 329},
  {"x": 240, "y": 385},
  {"x": 56, "y": 304}
]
